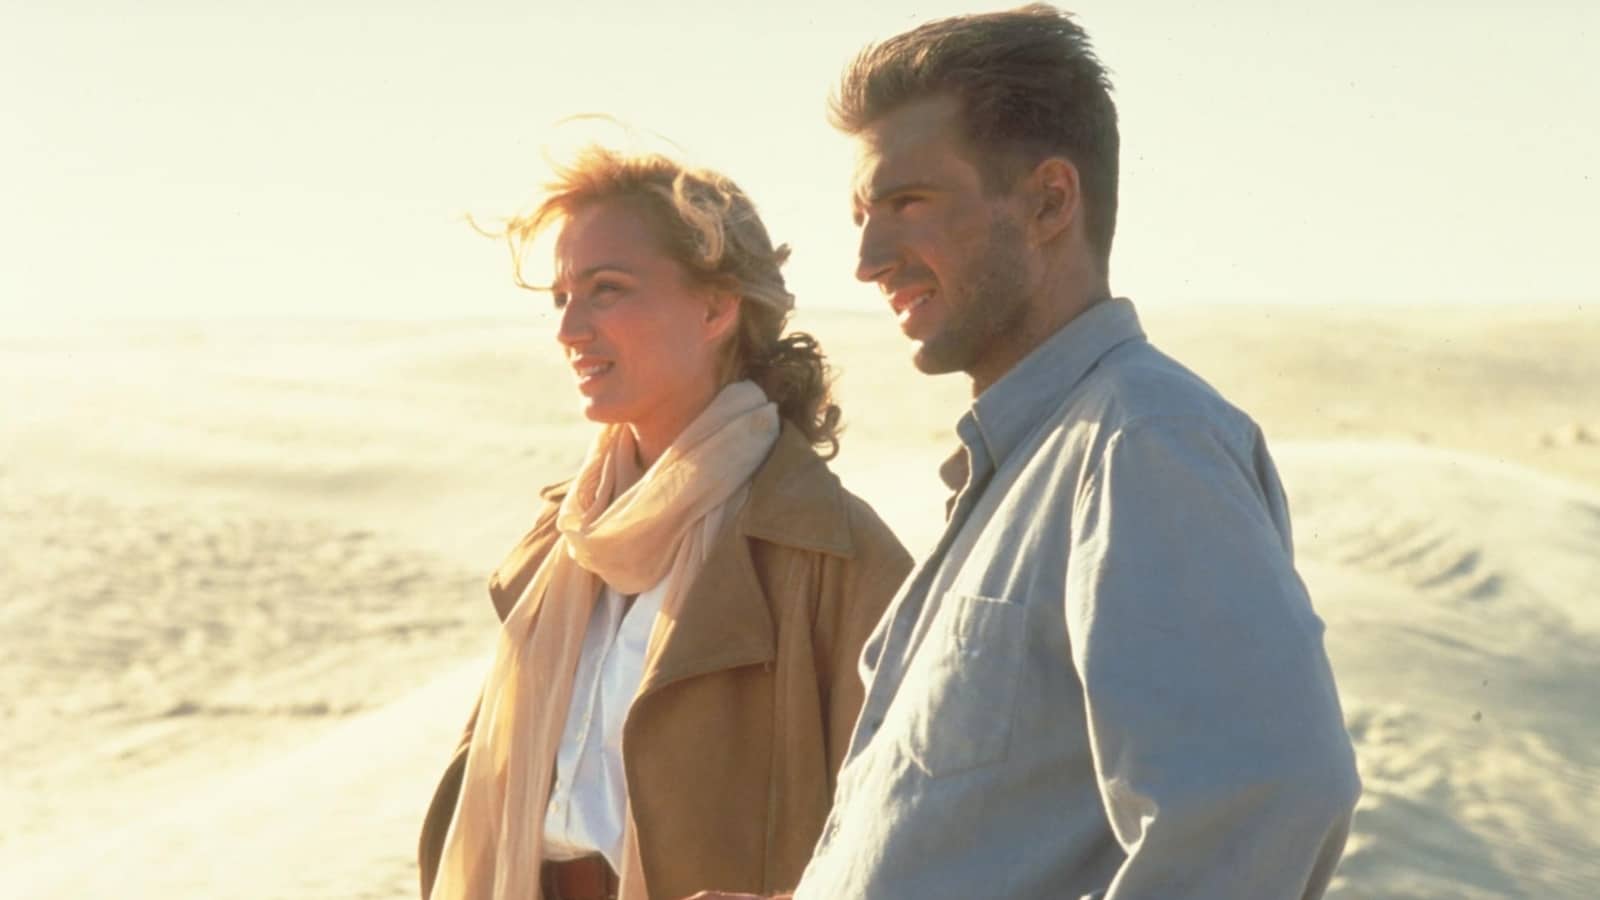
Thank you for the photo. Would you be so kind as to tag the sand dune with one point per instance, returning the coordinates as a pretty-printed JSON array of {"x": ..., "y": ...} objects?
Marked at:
[
  {"x": 1463, "y": 622},
  {"x": 246, "y": 567},
  {"x": 333, "y": 815}
]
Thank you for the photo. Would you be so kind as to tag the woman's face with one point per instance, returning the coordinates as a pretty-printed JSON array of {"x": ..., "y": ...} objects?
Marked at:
[{"x": 641, "y": 339}]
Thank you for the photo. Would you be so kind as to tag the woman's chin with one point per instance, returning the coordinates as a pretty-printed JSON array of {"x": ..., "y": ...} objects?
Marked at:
[{"x": 598, "y": 411}]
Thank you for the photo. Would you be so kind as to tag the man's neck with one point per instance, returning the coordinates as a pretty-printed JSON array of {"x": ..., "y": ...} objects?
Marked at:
[{"x": 1049, "y": 313}]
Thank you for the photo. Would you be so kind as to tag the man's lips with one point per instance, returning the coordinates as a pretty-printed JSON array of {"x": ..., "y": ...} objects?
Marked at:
[{"x": 903, "y": 302}]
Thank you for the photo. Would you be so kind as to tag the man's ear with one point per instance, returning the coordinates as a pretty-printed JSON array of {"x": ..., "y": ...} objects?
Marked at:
[
  {"x": 722, "y": 314},
  {"x": 1055, "y": 199}
]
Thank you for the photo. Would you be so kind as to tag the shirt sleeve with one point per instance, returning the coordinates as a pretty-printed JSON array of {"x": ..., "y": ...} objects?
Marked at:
[{"x": 1219, "y": 746}]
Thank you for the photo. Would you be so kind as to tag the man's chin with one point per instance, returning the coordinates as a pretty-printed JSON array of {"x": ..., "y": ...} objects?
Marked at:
[{"x": 931, "y": 359}]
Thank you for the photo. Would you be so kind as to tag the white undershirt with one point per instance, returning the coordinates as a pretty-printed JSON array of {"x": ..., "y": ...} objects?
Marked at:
[{"x": 588, "y": 800}]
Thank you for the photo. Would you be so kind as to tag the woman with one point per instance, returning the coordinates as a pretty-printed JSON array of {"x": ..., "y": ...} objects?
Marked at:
[{"x": 675, "y": 681}]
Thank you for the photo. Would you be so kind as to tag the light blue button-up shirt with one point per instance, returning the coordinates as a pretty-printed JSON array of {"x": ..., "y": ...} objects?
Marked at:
[{"x": 1107, "y": 679}]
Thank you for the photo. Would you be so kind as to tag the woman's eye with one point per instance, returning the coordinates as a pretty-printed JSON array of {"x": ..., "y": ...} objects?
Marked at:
[{"x": 604, "y": 294}]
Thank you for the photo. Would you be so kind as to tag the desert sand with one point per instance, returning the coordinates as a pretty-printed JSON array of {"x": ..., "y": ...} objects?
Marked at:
[{"x": 245, "y": 561}]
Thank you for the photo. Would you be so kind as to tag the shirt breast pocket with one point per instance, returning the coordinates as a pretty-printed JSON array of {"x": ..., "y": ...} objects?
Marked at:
[{"x": 960, "y": 693}]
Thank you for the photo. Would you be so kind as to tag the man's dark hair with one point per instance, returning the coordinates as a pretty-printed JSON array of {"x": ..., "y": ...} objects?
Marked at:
[{"x": 1029, "y": 86}]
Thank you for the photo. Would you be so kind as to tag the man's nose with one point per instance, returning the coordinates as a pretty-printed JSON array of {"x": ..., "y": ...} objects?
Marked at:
[{"x": 876, "y": 256}]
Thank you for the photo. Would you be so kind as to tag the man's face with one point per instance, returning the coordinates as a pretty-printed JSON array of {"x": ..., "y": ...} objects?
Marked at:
[{"x": 951, "y": 259}]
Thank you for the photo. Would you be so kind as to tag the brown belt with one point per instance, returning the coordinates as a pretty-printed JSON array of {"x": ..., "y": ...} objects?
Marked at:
[{"x": 589, "y": 878}]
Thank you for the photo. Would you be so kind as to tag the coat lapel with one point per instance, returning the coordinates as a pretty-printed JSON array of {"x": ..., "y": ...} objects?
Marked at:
[
  {"x": 723, "y": 623},
  {"x": 726, "y": 620},
  {"x": 508, "y": 582}
]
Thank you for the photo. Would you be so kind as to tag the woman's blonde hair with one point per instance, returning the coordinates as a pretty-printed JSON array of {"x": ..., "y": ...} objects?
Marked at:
[{"x": 709, "y": 225}]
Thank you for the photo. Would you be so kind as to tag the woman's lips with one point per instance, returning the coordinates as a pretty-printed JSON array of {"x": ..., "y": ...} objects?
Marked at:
[{"x": 590, "y": 370}]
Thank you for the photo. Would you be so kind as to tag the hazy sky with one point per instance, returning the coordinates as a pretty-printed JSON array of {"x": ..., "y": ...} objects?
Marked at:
[{"x": 171, "y": 158}]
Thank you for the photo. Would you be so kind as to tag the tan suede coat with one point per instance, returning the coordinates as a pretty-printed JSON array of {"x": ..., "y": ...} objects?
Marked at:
[{"x": 741, "y": 722}]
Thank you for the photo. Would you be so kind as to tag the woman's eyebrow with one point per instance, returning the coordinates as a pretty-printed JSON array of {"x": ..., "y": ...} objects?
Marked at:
[
  {"x": 605, "y": 267},
  {"x": 591, "y": 271}
]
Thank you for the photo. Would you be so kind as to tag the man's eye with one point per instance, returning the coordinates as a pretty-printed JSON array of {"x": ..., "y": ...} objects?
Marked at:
[
  {"x": 899, "y": 203},
  {"x": 558, "y": 299}
]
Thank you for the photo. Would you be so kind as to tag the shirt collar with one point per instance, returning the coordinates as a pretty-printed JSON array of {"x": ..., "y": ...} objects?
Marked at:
[{"x": 1013, "y": 406}]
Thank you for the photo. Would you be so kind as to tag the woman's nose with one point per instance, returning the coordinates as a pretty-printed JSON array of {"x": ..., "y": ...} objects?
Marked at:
[{"x": 573, "y": 326}]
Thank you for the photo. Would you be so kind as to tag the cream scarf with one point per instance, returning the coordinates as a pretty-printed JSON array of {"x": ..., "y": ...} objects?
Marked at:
[{"x": 630, "y": 537}]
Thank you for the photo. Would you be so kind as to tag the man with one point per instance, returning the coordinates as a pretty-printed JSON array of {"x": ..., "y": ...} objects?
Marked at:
[{"x": 1107, "y": 680}]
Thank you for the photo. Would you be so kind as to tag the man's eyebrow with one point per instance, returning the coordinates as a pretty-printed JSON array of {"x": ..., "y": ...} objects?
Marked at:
[
  {"x": 874, "y": 196},
  {"x": 878, "y": 195}
]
